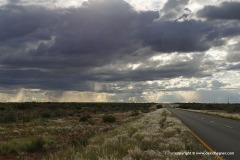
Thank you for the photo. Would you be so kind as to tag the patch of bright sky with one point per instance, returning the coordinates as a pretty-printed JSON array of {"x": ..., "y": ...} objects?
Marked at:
[
  {"x": 3, "y": 2},
  {"x": 49, "y": 3},
  {"x": 23, "y": 95},
  {"x": 133, "y": 66},
  {"x": 139, "y": 5},
  {"x": 216, "y": 54},
  {"x": 152, "y": 96},
  {"x": 195, "y": 5},
  {"x": 233, "y": 41},
  {"x": 146, "y": 5},
  {"x": 74, "y": 96},
  {"x": 69, "y": 3},
  {"x": 181, "y": 83},
  {"x": 229, "y": 77},
  {"x": 168, "y": 59}
]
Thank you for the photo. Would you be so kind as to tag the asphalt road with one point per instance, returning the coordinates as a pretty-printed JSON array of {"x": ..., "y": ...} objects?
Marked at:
[{"x": 222, "y": 135}]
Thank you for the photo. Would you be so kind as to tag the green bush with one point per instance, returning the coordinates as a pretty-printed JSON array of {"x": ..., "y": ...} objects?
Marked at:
[
  {"x": 36, "y": 145},
  {"x": 18, "y": 146},
  {"x": 21, "y": 106},
  {"x": 145, "y": 110},
  {"x": 159, "y": 106},
  {"x": 85, "y": 118},
  {"x": 46, "y": 114},
  {"x": 134, "y": 113},
  {"x": 79, "y": 141},
  {"x": 153, "y": 108},
  {"x": 109, "y": 119},
  {"x": 90, "y": 121},
  {"x": 10, "y": 117},
  {"x": 231, "y": 109},
  {"x": 2, "y": 108}
]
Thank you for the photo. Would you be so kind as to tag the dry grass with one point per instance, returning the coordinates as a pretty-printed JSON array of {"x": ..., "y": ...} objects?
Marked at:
[
  {"x": 155, "y": 136},
  {"x": 16, "y": 139},
  {"x": 220, "y": 113}
]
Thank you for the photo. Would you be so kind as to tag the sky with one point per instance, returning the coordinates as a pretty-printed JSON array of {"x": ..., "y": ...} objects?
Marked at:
[{"x": 120, "y": 51}]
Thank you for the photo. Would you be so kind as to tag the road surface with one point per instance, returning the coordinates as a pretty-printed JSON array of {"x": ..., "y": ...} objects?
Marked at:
[{"x": 220, "y": 134}]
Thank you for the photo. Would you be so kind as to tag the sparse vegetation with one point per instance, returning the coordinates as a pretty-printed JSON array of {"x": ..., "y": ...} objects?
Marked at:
[
  {"x": 85, "y": 118},
  {"x": 33, "y": 131},
  {"x": 109, "y": 119},
  {"x": 234, "y": 116},
  {"x": 230, "y": 108},
  {"x": 18, "y": 146},
  {"x": 134, "y": 113},
  {"x": 46, "y": 114},
  {"x": 230, "y": 111},
  {"x": 142, "y": 139},
  {"x": 79, "y": 141}
]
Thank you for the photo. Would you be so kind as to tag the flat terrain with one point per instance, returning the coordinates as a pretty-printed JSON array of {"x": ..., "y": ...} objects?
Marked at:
[
  {"x": 158, "y": 135},
  {"x": 222, "y": 135},
  {"x": 31, "y": 131},
  {"x": 218, "y": 113},
  {"x": 87, "y": 131}
]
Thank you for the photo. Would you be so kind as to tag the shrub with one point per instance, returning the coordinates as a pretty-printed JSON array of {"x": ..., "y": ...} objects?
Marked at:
[
  {"x": 18, "y": 146},
  {"x": 10, "y": 118},
  {"x": 153, "y": 108},
  {"x": 159, "y": 106},
  {"x": 134, "y": 113},
  {"x": 2, "y": 108},
  {"x": 21, "y": 106},
  {"x": 109, "y": 119},
  {"x": 59, "y": 113},
  {"x": 85, "y": 118},
  {"x": 46, "y": 114},
  {"x": 90, "y": 121},
  {"x": 145, "y": 110},
  {"x": 36, "y": 145},
  {"x": 231, "y": 109},
  {"x": 81, "y": 141}
]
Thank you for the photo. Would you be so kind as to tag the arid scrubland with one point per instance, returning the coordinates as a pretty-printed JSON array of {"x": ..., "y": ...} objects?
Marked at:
[
  {"x": 33, "y": 131},
  {"x": 225, "y": 110},
  {"x": 157, "y": 135},
  {"x": 219, "y": 113}
]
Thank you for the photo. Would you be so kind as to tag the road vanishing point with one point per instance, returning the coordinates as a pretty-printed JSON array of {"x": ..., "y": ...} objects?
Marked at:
[{"x": 219, "y": 134}]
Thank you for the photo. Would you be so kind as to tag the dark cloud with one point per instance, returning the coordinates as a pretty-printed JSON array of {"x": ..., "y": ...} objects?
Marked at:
[
  {"x": 187, "y": 36},
  {"x": 92, "y": 29},
  {"x": 67, "y": 49},
  {"x": 227, "y": 10},
  {"x": 173, "y": 9},
  {"x": 233, "y": 67},
  {"x": 217, "y": 84},
  {"x": 234, "y": 53},
  {"x": 13, "y": 1},
  {"x": 149, "y": 71},
  {"x": 19, "y": 24}
]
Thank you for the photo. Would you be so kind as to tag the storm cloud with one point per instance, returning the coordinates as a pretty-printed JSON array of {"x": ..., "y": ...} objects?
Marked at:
[
  {"x": 226, "y": 10},
  {"x": 110, "y": 42},
  {"x": 172, "y": 8}
]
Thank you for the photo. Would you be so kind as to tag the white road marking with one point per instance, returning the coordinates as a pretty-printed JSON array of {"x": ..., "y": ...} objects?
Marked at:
[
  {"x": 202, "y": 118},
  {"x": 221, "y": 124}
]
